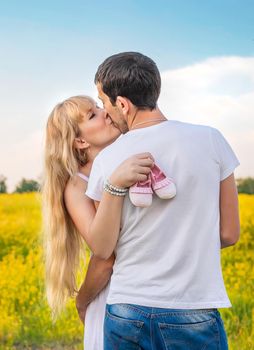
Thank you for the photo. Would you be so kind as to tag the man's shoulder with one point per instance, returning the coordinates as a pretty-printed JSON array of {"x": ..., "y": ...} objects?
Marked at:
[
  {"x": 185, "y": 125},
  {"x": 185, "y": 128}
]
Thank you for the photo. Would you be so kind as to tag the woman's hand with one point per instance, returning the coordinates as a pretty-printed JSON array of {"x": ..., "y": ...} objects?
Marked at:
[{"x": 132, "y": 170}]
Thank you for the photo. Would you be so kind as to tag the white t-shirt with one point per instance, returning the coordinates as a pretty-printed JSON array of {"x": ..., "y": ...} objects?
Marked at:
[{"x": 168, "y": 255}]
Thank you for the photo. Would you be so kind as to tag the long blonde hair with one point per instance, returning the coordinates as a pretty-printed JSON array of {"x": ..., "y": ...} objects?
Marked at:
[{"x": 62, "y": 160}]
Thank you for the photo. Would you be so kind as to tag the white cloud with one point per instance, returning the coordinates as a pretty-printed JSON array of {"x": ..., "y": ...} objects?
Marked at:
[{"x": 217, "y": 92}]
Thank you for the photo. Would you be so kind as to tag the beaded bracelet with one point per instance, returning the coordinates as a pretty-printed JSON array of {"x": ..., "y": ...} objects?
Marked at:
[
  {"x": 116, "y": 191},
  {"x": 113, "y": 192}
]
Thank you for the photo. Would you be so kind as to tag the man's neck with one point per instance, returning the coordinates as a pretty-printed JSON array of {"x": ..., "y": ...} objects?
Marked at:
[{"x": 145, "y": 118}]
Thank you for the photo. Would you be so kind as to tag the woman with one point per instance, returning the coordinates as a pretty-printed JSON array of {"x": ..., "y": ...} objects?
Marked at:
[{"x": 76, "y": 131}]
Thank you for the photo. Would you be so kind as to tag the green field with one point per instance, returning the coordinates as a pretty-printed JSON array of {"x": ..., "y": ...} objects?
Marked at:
[{"x": 25, "y": 318}]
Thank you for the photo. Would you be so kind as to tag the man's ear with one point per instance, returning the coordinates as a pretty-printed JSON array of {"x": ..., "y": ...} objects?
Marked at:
[
  {"x": 123, "y": 104},
  {"x": 81, "y": 143}
]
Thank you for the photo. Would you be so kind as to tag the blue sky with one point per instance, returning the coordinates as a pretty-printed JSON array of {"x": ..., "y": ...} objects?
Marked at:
[
  {"x": 50, "y": 50},
  {"x": 173, "y": 32}
]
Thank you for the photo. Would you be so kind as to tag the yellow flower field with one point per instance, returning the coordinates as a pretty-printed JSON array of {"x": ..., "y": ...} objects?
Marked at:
[{"x": 25, "y": 317}]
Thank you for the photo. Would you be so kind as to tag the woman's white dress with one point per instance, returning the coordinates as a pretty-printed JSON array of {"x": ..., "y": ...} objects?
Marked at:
[{"x": 94, "y": 320}]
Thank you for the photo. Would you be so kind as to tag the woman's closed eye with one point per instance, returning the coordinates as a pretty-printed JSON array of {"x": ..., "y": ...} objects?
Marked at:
[{"x": 92, "y": 116}]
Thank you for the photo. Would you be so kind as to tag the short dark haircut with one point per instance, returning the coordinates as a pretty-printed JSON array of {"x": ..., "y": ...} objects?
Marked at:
[{"x": 131, "y": 75}]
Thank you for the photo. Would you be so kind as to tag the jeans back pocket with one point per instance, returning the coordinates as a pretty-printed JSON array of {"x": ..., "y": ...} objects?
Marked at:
[
  {"x": 121, "y": 332},
  {"x": 192, "y": 336}
]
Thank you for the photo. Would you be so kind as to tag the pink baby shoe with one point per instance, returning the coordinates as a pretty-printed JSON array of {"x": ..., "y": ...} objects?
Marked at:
[
  {"x": 141, "y": 194},
  {"x": 162, "y": 185}
]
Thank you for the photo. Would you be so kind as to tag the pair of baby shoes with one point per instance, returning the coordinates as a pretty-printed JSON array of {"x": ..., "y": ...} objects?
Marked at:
[{"x": 141, "y": 194}]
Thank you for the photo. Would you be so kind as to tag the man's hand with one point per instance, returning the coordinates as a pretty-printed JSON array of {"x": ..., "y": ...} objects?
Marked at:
[
  {"x": 81, "y": 308},
  {"x": 97, "y": 277}
]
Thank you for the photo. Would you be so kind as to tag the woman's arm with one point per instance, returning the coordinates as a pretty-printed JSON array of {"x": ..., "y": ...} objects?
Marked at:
[{"x": 229, "y": 214}]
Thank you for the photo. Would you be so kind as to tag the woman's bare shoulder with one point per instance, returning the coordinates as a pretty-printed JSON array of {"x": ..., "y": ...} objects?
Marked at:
[
  {"x": 80, "y": 207},
  {"x": 75, "y": 189}
]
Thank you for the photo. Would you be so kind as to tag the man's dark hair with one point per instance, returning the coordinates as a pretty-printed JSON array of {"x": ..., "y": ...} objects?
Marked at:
[{"x": 131, "y": 75}]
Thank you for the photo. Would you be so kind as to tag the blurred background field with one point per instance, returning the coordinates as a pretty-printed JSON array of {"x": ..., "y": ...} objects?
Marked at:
[{"x": 25, "y": 321}]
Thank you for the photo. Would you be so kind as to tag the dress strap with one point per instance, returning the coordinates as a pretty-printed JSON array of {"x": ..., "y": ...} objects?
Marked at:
[{"x": 84, "y": 177}]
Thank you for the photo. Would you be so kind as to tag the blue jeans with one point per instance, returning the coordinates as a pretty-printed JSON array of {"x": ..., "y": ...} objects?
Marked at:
[{"x": 134, "y": 327}]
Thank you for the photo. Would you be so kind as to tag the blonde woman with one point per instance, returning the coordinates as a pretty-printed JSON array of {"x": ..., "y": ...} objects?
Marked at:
[{"x": 77, "y": 130}]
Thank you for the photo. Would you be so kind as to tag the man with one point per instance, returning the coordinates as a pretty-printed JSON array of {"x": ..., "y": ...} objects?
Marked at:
[{"x": 167, "y": 282}]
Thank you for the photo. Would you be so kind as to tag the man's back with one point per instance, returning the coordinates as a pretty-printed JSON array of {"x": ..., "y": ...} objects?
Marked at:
[{"x": 168, "y": 255}]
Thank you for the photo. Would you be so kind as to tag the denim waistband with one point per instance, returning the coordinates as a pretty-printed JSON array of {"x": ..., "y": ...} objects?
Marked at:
[{"x": 154, "y": 311}]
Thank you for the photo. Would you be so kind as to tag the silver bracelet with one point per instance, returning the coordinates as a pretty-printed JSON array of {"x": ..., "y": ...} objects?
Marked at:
[
  {"x": 114, "y": 193},
  {"x": 115, "y": 189}
]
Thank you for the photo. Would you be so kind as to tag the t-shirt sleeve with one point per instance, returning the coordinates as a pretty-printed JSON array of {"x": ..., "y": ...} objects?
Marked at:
[
  {"x": 225, "y": 156},
  {"x": 96, "y": 181}
]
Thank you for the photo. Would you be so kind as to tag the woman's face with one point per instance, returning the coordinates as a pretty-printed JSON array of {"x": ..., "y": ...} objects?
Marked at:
[{"x": 97, "y": 128}]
